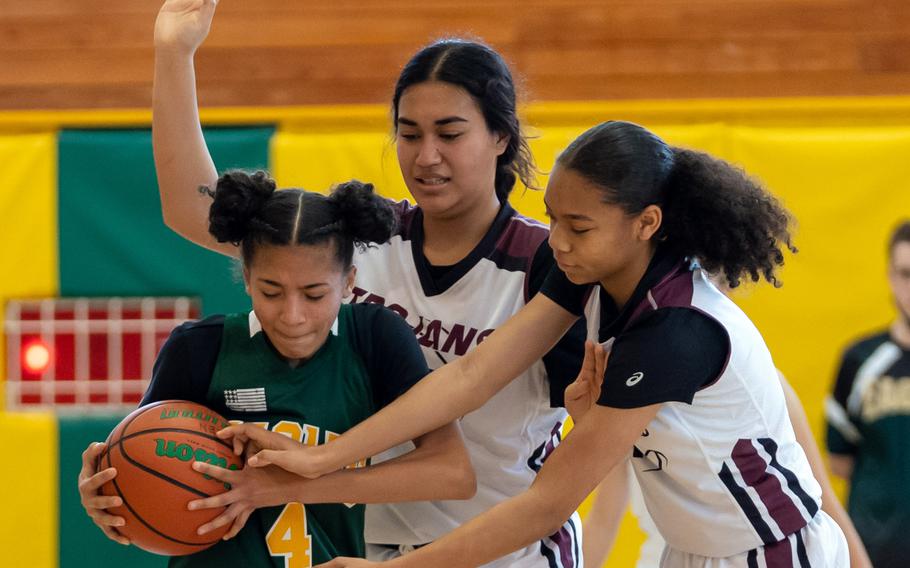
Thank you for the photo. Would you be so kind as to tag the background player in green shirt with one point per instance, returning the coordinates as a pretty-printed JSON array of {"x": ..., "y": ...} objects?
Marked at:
[
  {"x": 868, "y": 417},
  {"x": 303, "y": 365}
]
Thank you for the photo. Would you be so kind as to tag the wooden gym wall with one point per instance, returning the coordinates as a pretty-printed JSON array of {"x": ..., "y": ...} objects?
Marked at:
[{"x": 98, "y": 54}]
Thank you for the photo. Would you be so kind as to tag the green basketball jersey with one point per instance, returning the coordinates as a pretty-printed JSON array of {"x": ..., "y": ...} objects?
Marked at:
[{"x": 312, "y": 403}]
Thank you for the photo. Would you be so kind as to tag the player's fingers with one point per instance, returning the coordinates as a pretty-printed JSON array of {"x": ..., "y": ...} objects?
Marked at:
[
  {"x": 114, "y": 535},
  {"x": 575, "y": 391},
  {"x": 600, "y": 366},
  {"x": 89, "y": 486},
  {"x": 239, "y": 523},
  {"x": 220, "y": 500},
  {"x": 103, "y": 519},
  {"x": 263, "y": 458},
  {"x": 238, "y": 446},
  {"x": 587, "y": 364},
  {"x": 221, "y": 520},
  {"x": 230, "y": 431},
  {"x": 219, "y": 473},
  {"x": 270, "y": 440},
  {"x": 90, "y": 459},
  {"x": 102, "y": 502}
]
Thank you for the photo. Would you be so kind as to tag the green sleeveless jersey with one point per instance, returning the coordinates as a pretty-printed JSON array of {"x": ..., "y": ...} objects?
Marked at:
[{"x": 320, "y": 399}]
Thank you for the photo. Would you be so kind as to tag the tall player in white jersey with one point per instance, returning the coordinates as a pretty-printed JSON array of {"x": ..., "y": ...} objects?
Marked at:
[
  {"x": 462, "y": 263},
  {"x": 690, "y": 391}
]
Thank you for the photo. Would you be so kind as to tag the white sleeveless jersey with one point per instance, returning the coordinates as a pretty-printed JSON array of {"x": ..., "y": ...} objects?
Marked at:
[
  {"x": 510, "y": 436},
  {"x": 724, "y": 474}
]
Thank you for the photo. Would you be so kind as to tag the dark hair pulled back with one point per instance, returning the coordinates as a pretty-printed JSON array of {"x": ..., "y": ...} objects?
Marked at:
[
  {"x": 482, "y": 72},
  {"x": 901, "y": 234},
  {"x": 248, "y": 211},
  {"x": 712, "y": 211}
]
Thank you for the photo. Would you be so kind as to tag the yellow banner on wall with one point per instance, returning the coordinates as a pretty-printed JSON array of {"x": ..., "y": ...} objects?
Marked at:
[{"x": 28, "y": 207}]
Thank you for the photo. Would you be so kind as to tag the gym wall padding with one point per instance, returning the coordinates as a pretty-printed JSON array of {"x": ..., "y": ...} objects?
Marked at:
[
  {"x": 28, "y": 490},
  {"x": 81, "y": 543},
  {"x": 28, "y": 213},
  {"x": 113, "y": 241}
]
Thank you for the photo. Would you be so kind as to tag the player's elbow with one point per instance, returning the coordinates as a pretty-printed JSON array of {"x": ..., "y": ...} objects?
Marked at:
[
  {"x": 464, "y": 482},
  {"x": 461, "y": 482}
]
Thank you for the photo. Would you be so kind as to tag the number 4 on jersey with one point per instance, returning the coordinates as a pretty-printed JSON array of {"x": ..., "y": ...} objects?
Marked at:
[{"x": 288, "y": 537}]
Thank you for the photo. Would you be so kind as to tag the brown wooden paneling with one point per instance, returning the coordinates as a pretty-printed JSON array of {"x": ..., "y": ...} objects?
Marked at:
[{"x": 98, "y": 53}]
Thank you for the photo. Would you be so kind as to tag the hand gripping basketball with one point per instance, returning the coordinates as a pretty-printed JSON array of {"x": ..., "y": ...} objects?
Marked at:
[{"x": 153, "y": 450}]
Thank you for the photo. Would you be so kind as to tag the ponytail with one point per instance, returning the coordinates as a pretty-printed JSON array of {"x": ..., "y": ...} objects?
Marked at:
[{"x": 712, "y": 211}]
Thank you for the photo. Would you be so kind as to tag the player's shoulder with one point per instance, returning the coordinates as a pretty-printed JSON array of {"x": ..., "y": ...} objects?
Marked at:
[
  {"x": 863, "y": 347},
  {"x": 372, "y": 316},
  {"x": 519, "y": 242},
  {"x": 681, "y": 331},
  {"x": 406, "y": 214},
  {"x": 199, "y": 330}
]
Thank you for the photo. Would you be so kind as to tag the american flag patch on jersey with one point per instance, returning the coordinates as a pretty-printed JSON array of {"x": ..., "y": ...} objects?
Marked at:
[{"x": 246, "y": 400}]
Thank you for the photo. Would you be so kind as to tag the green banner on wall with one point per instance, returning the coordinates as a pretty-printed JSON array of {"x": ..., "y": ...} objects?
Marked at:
[
  {"x": 113, "y": 241},
  {"x": 81, "y": 542}
]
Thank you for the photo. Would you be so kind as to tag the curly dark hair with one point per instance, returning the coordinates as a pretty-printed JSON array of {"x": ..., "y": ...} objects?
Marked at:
[
  {"x": 713, "y": 212},
  {"x": 247, "y": 210},
  {"x": 483, "y": 74}
]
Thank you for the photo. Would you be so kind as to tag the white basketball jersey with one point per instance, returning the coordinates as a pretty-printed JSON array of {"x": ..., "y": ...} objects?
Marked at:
[
  {"x": 510, "y": 436},
  {"x": 724, "y": 474}
]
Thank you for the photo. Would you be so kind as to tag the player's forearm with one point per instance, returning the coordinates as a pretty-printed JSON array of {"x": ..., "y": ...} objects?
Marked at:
[
  {"x": 587, "y": 455},
  {"x": 440, "y": 398},
  {"x": 509, "y": 526},
  {"x": 182, "y": 160},
  {"x": 431, "y": 476},
  {"x": 455, "y": 389}
]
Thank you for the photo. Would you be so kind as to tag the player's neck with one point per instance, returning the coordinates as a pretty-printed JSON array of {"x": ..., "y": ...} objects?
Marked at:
[
  {"x": 900, "y": 332},
  {"x": 449, "y": 239}
]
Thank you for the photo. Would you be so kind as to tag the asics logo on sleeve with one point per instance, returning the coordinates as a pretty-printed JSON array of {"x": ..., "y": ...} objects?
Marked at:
[{"x": 635, "y": 379}]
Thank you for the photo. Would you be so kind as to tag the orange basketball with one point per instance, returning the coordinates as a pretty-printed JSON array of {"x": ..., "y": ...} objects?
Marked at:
[{"x": 153, "y": 450}]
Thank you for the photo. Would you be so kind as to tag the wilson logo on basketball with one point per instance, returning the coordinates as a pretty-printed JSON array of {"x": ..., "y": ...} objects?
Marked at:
[
  {"x": 167, "y": 413},
  {"x": 185, "y": 452}
]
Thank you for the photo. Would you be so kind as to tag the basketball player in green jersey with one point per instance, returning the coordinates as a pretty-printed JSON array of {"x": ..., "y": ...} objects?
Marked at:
[{"x": 300, "y": 364}]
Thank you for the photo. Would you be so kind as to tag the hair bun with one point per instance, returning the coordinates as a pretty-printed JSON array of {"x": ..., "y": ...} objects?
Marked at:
[
  {"x": 365, "y": 216},
  {"x": 238, "y": 197}
]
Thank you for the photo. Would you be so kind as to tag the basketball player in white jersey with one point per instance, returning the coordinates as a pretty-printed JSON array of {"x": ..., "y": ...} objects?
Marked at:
[{"x": 690, "y": 389}]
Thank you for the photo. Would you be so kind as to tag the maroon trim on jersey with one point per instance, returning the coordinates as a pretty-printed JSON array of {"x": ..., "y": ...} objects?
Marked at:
[
  {"x": 521, "y": 237},
  {"x": 517, "y": 246},
  {"x": 754, "y": 470},
  {"x": 405, "y": 212},
  {"x": 674, "y": 290},
  {"x": 779, "y": 554}
]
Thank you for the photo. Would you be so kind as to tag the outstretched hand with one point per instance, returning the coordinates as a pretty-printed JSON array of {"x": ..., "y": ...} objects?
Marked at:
[
  {"x": 271, "y": 448},
  {"x": 581, "y": 395},
  {"x": 250, "y": 488},
  {"x": 182, "y": 25}
]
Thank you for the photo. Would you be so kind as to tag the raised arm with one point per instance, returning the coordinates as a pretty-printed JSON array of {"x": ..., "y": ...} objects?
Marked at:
[
  {"x": 182, "y": 160},
  {"x": 443, "y": 396}
]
